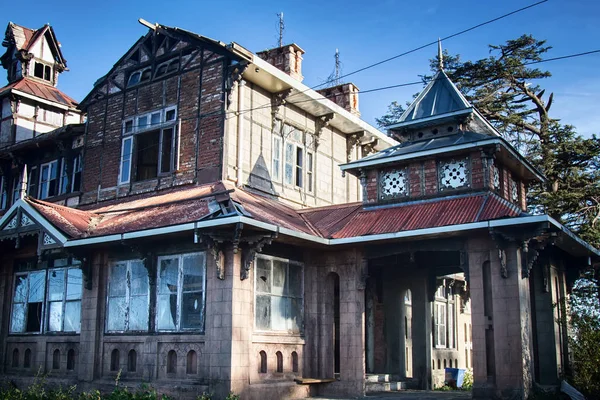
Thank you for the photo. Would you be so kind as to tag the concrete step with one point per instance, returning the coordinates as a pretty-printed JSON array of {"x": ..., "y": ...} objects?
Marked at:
[
  {"x": 381, "y": 378},
  {"x": 377, "y": 387}
]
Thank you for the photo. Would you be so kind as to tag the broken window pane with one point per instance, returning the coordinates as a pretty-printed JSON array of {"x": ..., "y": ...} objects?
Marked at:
[
  {"x": 55, "y": 316},
  {"x": 72, "y": 316},
  {"x": 18, "y": 318},
  {"x": 20, "y": 288},
  {"x": 263, "y": 312},
  {"x": 74, "y": 284},
  {"x": 118, "y": 280},
  {"x": 295, "y": 280},
  {"x": 289, "y": 163},
  {"x": 139, "y": 278},
  {"x": 191, "y": 310},
  {"x": 167, "y": 299},
  {"x": 263, "y": 275},
  {"x": 279, "y": 272},
  {"x": 128, "y": 302},
  {"x": 117, "y": 308},
  {"x": 138, "y": 313}
]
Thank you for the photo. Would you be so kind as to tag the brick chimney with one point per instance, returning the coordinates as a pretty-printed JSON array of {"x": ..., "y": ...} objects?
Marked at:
[
  {"x": 344, "y": 95},
  {"x": 287, "y": 58}
]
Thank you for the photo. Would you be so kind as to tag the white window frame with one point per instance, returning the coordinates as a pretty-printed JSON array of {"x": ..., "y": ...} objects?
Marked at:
[
  {"x": 128, "y": 296},
  {"x": 46, "y": 195},
  {"x": 440, "y": 323},
  {"x": 16, "y": 189},
  {"x": 310, "y": 186},
  {"x": 126, "y": 158},
  {"x": 69, "y": 267},
  {"x": 277, "y": 147},
  {"x": 271, "y": 294},
  {"x": 26, "y": 301},
  {"x": 77, "y": 168},
  {"x": 181, "y": 292},
  {"x": 63, "y": 177}
]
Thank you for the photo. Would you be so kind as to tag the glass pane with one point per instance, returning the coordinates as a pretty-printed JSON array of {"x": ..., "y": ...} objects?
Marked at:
[
  {"x": 129, "y": 126},
  {"x": 18, "y": 318},
  {"x": 72, "y": 316},
  {"x": 20, "y": 289},
  {"x": 167, "y": 311},
  {"x": 295, "y": 321},
  {"x": 295, "y": 280},
  {"x": 55, "y": 316},
  {"x": 139, "y": 278},
  {"x": 118, "y": 280},
  {"x": 74, "y": 284},
  {"x": 155, "y": 119},
  {"x": 289, "y": 163},
  {"x": 263, "y": 275},
  {"x": 126, "y": 149},
  {"x": 60, "y": 262},
  {"x": 279, "y": 271},
  {"x": 125, "y": 171},
  {"x": 116, "y": 313},
  {"x": 53, "y": 170},
  {"x": 263, "y": 312},
  {"x": 170, "y": 115},
  {"x": 37, "y": 285},
  {"x": 191, "y": 311},
  {"x": 193, "y": 272},
  {"x": 138, "y": 313},
  {"x": 142, "y": 122},
  {"x": 169, "y": 275},
  {"x": 166, "y": 150},
  {"x": 56, "y": 284},
  {"x": 279, "y": 312}
]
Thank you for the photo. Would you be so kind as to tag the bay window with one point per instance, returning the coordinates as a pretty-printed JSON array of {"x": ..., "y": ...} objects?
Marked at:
[
  {"x": 128, "y": 297},
  {"x": 278, "y": 294},
  {"x": 181, "y": 288}
]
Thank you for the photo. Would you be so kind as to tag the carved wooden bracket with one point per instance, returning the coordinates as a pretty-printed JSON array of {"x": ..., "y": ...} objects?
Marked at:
[
  {"x": 250, "y": 250},
  {"x": 278, "y": 100},
  {"x": 501, "y": 242},
  {"x": 321, "y": 123},
  {"x": 216, "y": 248},
  {"x": 369, "y": 147},
  {"x": 352, "y": 141},
  {"x": 235, "y": 77}
]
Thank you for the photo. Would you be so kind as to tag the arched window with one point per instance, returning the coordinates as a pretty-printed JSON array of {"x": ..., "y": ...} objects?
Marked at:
[
  {"x": 114, "y": 360},
  {"x": 455, "y": 363},
  {"x": 131, "y": 361},
  {"x": 432, "y": 364},
  {"x": 444, "y": 363},
  {"x": 15, "y": 358},
  {"x": 191, "y": 367},
  {"x": 294, "y": 361},
  {"x": 439, "y": 364},
  {"x": 56, "y": 359},
  {"x": 450, "y": 363},
  {"x": 71, "y": 360},
  {"x": 27, "y": 359},
  {"x": 263, "y": 362},
  {"x": 171, "y": 362},
  {"x": 279, "y": 361}
]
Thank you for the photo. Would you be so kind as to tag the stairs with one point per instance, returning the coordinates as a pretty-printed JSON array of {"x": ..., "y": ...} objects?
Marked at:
[{"x": 377, "y": 383}]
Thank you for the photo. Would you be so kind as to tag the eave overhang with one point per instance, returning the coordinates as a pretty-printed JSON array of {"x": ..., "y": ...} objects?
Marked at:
[{"x": 507, "y": 153}]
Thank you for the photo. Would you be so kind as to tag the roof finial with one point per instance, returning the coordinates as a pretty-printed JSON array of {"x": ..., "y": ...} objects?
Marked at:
[{"x": 440, "y": 56}]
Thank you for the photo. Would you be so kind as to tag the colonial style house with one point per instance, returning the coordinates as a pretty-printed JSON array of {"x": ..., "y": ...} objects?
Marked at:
[{"x": 235, "y": 230}]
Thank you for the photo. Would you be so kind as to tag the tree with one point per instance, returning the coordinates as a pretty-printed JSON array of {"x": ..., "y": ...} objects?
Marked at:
[
  {"x": 503, "y": 88},
  {"x": 394, "y": 113}
]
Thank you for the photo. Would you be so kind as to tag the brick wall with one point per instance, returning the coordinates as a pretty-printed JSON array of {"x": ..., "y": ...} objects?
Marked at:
[{"x": 198, "y": 92}]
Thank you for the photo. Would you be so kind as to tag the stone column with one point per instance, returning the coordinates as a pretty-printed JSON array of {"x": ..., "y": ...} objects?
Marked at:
[
  {"x": 421, "y": 331},
  {"x": 92, "y": 323}
]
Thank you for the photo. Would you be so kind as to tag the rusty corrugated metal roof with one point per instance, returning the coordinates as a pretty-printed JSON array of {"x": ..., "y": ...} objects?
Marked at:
[
  {"x": 39, "y": 89},
  {"x": 74, "y": 223},
  {"x": 330, "y": 219}
]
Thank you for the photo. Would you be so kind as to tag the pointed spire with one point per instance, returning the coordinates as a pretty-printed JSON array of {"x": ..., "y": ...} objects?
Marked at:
[
  {"x": 23, "y": 183},
  {"x": 440, "y": 56}
]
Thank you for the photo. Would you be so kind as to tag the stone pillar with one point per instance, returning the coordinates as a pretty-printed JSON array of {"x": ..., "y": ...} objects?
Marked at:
[
  {"x": 393, "y": 315},
  {"x": 370, "y": 333},
  {"x": 507, "y": 315},
  {"x": 421, "y": 331},
  {"x": 92, "y": 323}
]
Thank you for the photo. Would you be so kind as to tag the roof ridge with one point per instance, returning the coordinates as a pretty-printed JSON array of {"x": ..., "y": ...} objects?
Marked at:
[{"x": 329, "y": 207}]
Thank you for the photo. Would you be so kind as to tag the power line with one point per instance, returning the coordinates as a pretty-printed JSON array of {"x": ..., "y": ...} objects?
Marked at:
[{"x": 563, "y": 57}]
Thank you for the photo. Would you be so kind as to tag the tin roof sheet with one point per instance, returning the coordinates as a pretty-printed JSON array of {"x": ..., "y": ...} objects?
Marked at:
[{"x": 39, "y": 89}]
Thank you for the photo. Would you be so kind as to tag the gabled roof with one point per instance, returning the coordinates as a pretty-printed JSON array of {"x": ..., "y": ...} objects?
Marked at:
[
  {"x": 34, "y": 88},
  {"x": 439, "y": 99},
  {"x": 24, "y": 38}
]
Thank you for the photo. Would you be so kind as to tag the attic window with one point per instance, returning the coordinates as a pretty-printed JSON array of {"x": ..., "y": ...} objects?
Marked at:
[
  {"x": 167, "y": 68},
  {"x": 42, "y": 71},
  {"x": 139, "y": 76}
]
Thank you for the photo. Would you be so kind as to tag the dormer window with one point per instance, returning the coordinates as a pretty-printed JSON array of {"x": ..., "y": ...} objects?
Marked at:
[
  {"x": 42, "y": 71},
  {"x": 139, "y": 76},
  {"x": 167, "y": 67},
  {"x": 393, "y": 184},
  {"x": 454, "y": 174}
]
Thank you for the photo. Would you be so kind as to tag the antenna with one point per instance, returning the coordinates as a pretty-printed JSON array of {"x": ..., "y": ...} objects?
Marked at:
[
  {"x": 338, "y": 67},
  {"x": 281, "y": 28}
]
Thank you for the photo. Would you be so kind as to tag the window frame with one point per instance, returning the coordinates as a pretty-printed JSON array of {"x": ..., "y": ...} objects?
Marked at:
[
  {"x": 26, "y": 301},
  {"x": 276, "y": 154},
  {"x": 180, "y": 292},
  {"x": 310, "y": 187},
  {"x": 3, "y": 192},
  {"x": 72, "y": 265},
  {"x": 141, "y": 72},
  {"x": 46, "y": 195},
  {"x": 128, "y": 297},
  {"x": 440, "y": 322},
  {"x": 300, "y": 330}
]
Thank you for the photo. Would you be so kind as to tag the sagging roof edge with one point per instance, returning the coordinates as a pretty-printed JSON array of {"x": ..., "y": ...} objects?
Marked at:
[
  {"x": 191, "y": 226},
  {"x": 37, "y": 216},
  {"x": 424, "y": 153}
]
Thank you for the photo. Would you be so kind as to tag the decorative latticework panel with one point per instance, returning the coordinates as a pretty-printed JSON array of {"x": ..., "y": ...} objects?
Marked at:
[
  {"x": 514, "y": 191},
  {"x": 495, "y": 177},
  {"x": 454, "y": 174},
  {"x": 393, "y": 184}
]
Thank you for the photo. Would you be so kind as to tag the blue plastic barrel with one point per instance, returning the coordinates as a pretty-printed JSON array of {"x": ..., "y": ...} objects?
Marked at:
[{"x": 454, "y": 377}]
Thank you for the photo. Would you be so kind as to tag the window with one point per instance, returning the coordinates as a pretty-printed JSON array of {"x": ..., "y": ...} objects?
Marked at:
[
  {"x": 28, "y": 301},
  {"x": 42, "y": 71},
  {"x": 191, "y": 366},
  {"x": 65, "y": 287},
  {"x": 440, "y": 317},
  {"x": 16, "y": 188},
  {"x": 181, "y": 289},
  {"x": 299, "y": 166},
  {"x": 167, "y": 67},
  {"x": 56, "y": 359},
  {"x": 294, "y": 361},
  {"x": 262, "y": 354},
  {"x": 171, "y": 362},
  {"x": 278, "y": 288},
  {"x": 64, "y": 177},
  {"x": 289, "y": 163},
  {"x": 128, "y": 296},
  {"x": 76, "y": 180},
  {"x": 139, "y": 76},
  {"x": 309, "y": 171},
  {"x": 150, "y": 145},
  {"x": 276, "y": 158},
  {"x": 131, "y": 361},
  {"x": 279, "y": 358},
  {"x": 71, "y": 360},
  {"x": 114, "y": 360},
  {"x": 48, "y": 180},
  {"x": 32, "y": 182}
]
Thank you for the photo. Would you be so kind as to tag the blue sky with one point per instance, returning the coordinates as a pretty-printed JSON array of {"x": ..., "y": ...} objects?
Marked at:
[{"x": 95, "y": 34}]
